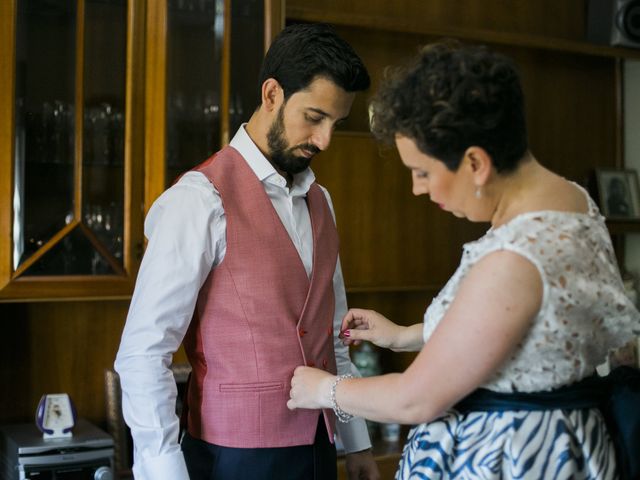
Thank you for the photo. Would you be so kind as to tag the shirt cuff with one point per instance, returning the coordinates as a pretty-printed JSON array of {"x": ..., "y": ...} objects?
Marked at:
[
  {"x": 354, "y": 435},
  {"x": 170, "y": 466}
]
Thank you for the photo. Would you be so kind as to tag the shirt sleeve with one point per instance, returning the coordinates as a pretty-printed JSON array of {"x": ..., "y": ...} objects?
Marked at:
[
  {"x": 354, "y": 435},
  {"x": 184, "y": 229}
]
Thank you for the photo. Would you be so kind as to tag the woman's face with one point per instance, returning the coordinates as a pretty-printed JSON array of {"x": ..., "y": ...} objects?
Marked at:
[{"x": 431, "y": 176}]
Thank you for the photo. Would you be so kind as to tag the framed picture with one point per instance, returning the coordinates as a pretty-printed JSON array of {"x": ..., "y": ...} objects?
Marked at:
[
  {"x": 123, "y": 443},
  {"x": 619, "y": 193}
]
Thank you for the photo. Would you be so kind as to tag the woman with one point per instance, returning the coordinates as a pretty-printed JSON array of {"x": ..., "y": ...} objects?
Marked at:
[{"x": 535, "y": 304}]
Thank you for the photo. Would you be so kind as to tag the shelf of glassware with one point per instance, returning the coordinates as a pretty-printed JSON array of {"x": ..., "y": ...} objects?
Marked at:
[{"x": 68, "y": 183}]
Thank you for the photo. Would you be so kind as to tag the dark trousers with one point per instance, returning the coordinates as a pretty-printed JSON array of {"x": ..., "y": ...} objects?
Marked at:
[{"x": 206, "y": 461}]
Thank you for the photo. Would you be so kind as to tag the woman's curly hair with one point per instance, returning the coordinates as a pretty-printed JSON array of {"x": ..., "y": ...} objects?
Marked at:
[{"x": 450, "y": 98}]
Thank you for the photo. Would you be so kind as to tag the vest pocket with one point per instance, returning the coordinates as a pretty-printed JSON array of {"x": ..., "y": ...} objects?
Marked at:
[{"x": 251, "y": 387}]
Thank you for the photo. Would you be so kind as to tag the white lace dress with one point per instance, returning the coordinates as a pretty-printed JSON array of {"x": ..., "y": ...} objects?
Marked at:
[{"x": 584, "y": 313}]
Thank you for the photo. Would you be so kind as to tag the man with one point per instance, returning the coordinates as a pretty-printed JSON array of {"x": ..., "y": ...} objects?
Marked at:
[{"x": 242, "y": 263}]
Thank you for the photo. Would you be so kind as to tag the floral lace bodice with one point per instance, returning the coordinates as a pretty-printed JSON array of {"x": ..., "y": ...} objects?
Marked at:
[{"x": 584, "y": 310}]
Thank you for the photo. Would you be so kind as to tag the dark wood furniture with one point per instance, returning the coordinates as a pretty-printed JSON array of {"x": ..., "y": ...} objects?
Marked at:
[{"x": 396, "y": 250}]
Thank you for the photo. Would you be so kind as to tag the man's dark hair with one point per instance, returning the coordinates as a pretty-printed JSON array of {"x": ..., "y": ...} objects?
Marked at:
[
  {"x": 452, "y": 97},
  {"x": 302, "y": 52}
]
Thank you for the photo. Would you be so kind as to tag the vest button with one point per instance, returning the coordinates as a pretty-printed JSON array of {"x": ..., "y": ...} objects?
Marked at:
[
  {"x": 324, "y": 363},
  {"x": 311, "y": 364},
  {"x": 302, "y": 332}
]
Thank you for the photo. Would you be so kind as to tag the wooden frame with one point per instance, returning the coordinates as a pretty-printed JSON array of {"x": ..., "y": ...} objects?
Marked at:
[
  {"x": 14, "y": 284},
  {"x": 116, "y": 426},
  {"x": 156, "y": 85},
  {"x": 7, "y": 116},
  {"x": 618, "y": 193}
]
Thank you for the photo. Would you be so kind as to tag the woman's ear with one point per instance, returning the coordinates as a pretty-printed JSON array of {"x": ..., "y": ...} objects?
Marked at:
[
  {"x": 271, "y": 94},
  {"x": 480, "y": 163}
]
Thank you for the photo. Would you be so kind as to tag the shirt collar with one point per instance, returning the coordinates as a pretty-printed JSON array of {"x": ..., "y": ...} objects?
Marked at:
[{"x": 265, "y": 172}]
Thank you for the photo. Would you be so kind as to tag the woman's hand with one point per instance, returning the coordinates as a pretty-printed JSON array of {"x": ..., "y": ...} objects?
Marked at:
[
  {"x": 310, "y": 388},
  {"x": 368, "y": 325}
]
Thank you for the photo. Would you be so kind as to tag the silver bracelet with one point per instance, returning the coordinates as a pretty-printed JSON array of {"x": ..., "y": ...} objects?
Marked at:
[{"x": 341, "y": 415}]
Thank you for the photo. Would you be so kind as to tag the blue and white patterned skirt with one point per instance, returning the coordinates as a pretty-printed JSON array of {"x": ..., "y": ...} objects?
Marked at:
[{"x": 552, "y": 444}]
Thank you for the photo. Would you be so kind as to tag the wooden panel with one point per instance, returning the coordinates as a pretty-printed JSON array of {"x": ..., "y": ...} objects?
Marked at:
[
  {"x": 134, "y": 142},
  {"x": 225, "y": 84},
  {"x": 571, "y": 100},
  {"x": 57, "y": 347},
  {"x": 571, "y": 110},
  {"x": 79, "y": 112},
  {"x": 378, "y": 50},
  {"x": 16, "y": 403},
  {"x": 273, "y": 20},
  {"x": 398, "y": 251},
  {"x": 68, "y": 288},
  {"x": 388, "y": 237},
  {"x": 403, "y": 308},
  {"x": 565, "y": 19},
  {"x": 53, "y": 347},
  {"x": 155, "y": 102},
  {"x": 7, "y": 111}
]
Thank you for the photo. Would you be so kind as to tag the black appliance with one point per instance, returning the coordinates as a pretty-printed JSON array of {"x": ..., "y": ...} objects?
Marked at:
[
  {"x": 24, "y": 454},
  {"x": 614, "y": 22}
]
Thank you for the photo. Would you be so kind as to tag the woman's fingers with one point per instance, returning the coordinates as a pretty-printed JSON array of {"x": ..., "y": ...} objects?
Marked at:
[
  {"x": 355, "y": 318},
  {"x": 356, "y": 334},
  {"x": 310, "y": 388}
]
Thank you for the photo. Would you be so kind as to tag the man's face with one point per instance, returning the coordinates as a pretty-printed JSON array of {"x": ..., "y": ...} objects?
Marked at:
[
  {"x": 304, "y": 124},
  {"x": 286, "y": 159}
]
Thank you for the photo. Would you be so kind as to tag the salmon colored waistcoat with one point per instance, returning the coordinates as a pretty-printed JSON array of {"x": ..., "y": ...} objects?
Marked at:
[{"x": 258, "y": 316}]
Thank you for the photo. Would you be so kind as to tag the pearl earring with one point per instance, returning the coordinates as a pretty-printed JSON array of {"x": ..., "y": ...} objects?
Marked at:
[{"x": 478, "y": 192}]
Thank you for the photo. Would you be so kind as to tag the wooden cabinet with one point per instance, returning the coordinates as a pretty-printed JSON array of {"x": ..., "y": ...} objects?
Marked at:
[
  {"x": 397, "y": 250},
  {"x": 202, "y": 65},
  {"x": 390, "y": 240},
  {"x": 70, "y": 204},
  {"x": 103, "y": 104}
]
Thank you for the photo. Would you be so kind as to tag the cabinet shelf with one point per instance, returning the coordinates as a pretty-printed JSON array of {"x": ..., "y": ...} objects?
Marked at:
[
  {"x": 417, "y": 26},
  {"x": 620, "y": 227},
  {"x": 393, "y": 289},
  {"x": 107, "y": 91}
]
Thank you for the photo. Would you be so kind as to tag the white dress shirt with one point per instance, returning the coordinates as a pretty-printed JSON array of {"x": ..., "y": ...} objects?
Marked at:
[{"x": 186, "y": 231}]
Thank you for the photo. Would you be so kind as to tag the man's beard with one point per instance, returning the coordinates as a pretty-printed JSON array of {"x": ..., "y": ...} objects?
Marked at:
[{"x": 282, "y": 157}]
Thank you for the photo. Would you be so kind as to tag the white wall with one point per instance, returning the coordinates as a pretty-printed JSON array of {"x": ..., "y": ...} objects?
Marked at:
[{"x": 631, "y": 101}]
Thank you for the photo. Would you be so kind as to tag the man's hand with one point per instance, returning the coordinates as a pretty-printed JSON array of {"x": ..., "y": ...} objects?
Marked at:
[{"x": 361, "y": 466}]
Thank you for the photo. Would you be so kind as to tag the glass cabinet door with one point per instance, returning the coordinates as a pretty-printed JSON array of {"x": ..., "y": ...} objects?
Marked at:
[
  {"x": 103, "y": 104},
  {"x": 67, "y": 154},
  {"x": 44, "y": 163},
  {"x": 248, "y": 46},
  {"x": 203, "y": 66},
  {"x": 195, "y": 30}
]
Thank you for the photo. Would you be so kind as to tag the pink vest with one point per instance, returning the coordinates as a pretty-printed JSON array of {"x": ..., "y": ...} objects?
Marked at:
[{"x": 258, "y": 316}]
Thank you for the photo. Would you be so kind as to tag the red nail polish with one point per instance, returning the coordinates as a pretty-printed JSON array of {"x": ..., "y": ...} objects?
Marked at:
[{"x": 346, "y": 333}]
